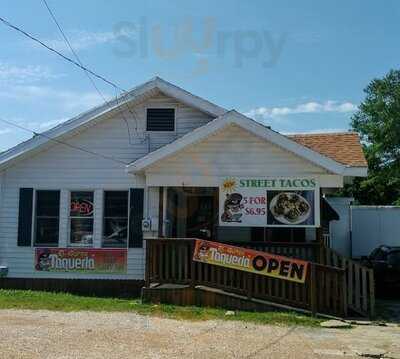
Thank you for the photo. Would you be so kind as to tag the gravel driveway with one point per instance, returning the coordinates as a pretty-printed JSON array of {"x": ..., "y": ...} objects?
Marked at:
[{"x": 44, "y": 334}]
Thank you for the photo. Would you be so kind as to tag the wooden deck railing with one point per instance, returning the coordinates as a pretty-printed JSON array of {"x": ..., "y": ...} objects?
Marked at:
[
  {"x": 359, "y": 279},
  {"x": 170, "y": 261}
]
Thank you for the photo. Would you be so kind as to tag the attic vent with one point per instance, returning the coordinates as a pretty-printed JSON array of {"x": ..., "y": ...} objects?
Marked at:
[{"x": 160, "y": 119}]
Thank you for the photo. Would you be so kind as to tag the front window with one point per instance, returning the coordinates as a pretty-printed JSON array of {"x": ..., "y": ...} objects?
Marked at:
[
  {"x": 47, "y": 217},
  {"x": 115, "y": 227},
  {"x": 81, "y": 218}
]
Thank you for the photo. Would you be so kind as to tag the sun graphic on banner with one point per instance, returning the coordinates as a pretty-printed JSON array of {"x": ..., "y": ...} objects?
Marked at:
[{"x": 229, "y": 185}]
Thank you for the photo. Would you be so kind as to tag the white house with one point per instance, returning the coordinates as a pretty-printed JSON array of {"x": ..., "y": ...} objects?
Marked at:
[{"x": 73, "y": 199}]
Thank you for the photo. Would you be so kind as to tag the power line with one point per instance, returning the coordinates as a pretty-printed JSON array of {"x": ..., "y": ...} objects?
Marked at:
[
  {"x": 88, "y": 75},
  {"x": 82, "y": 66},
  {"x": 77, "y": 63},
  {"x": 7, "y": 23},
  {"x": 64, "y": 143},
  {"x": 72, "y": 50}
]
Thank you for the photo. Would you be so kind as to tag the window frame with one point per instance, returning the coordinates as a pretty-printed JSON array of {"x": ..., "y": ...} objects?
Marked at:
[
  {"x": 160, "y": 106},
  {"x": 93, "y": 216},
  {"x": 104, "y": 217},
  {"x": 34, "y": 219}
]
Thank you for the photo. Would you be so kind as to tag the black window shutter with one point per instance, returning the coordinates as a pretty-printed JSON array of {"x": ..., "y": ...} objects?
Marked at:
[
  {"x": 25, "y": 217},
  {"x": 136, "y": 217}
]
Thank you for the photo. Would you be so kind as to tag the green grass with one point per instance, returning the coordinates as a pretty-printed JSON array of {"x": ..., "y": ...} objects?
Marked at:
[{"x": 23, "y": 299}]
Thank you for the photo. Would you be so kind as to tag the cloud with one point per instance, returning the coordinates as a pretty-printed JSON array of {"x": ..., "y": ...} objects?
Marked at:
[
  {"x": 32, "y": 125},
  {"x": 81, "y": 40},
  {"x": 24, "y": 74},
  {"x": 261, "y": 113},
  {"x": 65, "y": 99},
  {"x": 48, "y": 124},
  {"x": 5, "y": 131}
]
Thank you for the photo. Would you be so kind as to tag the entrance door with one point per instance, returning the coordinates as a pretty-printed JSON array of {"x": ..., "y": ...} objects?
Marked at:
[
  {"x": 192, "y": 212},
  {"x": 200, "y": 216}
]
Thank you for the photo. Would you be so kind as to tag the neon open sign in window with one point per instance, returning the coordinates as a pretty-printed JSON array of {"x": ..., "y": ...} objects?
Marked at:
[{"x": 81, "y": 207}]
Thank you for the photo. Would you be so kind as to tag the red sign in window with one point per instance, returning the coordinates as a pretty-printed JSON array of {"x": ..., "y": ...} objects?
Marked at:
[{"x": 81, "y": 207}]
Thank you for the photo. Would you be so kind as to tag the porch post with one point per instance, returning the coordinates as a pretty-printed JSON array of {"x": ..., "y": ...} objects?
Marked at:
[
  {"x": 313, "y": 289},
  {"x": 147, "y": 264},
  {"x": 160, "y": 212},
  {"x": 165, "y": 232}
]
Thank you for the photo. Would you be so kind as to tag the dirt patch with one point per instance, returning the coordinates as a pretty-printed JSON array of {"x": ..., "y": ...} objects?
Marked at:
[{"x": 44, "y": 334}]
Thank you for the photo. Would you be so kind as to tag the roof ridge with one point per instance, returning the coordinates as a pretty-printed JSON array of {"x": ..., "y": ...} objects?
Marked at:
[{"x": 322, "y": 134}]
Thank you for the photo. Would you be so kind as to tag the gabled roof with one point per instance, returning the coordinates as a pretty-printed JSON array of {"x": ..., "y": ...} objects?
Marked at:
[
  {"x": 100, "y": 112},
  {"x": 342, "y": 147},
  {"x": 235, "y": 118},
  {"x": 337, "y": 153}
]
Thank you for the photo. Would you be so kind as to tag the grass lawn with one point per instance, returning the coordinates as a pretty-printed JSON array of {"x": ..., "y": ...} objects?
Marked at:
[{"x": 24, "y": 299}]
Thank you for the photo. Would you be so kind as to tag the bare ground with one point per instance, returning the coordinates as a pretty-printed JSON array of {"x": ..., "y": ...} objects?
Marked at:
[{"x": 45, "y": 334}]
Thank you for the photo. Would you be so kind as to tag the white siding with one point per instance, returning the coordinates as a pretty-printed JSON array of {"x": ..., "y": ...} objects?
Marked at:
[
  {"x": 2, "y": 242},
  {"x": 233, "y": 152},
  {"x": 65, "y": 168}
]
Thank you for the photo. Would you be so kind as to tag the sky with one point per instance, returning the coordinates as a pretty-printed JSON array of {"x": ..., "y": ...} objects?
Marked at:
[{"x": 295, "y": 66}]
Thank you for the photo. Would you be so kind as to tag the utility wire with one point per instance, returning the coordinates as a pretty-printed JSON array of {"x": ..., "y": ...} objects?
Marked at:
[
  {"x": 85, "y": 71},
  {"x": 64, "y": 143},
  {"x": 77, "y": 63},
  {"x": 72, "y": 50},
  {"x": 7, "y": 23}
]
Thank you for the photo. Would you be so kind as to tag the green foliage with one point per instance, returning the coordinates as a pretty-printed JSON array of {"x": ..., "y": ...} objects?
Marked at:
[
  {"x": 25, "y": 299},
  {"x": 378, "y": 123}
]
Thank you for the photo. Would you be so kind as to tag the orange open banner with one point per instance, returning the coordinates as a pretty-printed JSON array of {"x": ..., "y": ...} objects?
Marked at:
[{"x": 249, "y": 260}]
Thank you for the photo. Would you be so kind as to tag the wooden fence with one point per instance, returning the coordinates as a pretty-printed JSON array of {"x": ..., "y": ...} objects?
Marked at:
[
  {"x": 359, "y": 279},
  {"x": 170, "y": 261}
]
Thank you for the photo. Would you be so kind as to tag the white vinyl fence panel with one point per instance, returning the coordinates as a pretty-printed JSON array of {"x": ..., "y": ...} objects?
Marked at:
[{"x": 373, "y": 226}]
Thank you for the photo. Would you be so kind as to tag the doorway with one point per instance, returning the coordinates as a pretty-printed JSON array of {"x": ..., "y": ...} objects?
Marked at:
[{"x": 192, "y": 212}]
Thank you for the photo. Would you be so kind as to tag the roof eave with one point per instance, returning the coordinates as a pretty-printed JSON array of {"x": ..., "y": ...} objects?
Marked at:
[{"x": 351, "y": 171}]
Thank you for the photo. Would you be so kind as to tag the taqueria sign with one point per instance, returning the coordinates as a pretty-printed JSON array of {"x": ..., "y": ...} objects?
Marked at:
[
  {"x": 86, "y": 260},
  {"x": 269, "y": 202},
  {"x": 249, "y": 260}
]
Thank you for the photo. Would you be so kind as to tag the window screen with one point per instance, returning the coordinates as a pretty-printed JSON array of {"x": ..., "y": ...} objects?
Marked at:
[
  {"x": 160, "y": 119},
  {"x": 115, "y": 227},
  {"x": 47, "y": 218}
]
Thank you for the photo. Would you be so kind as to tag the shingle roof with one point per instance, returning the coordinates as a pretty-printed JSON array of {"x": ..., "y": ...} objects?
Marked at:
[{"x": 342, "y": 147}]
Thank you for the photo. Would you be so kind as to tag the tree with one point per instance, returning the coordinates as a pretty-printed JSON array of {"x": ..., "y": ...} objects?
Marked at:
[{"x": 378, "y": 123}]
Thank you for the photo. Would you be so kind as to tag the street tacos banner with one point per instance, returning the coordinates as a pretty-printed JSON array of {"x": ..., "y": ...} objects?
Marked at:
[
  {"x": 84, "y": 260},
  {"x": 269, "y": 202},
  {"x": 249, "y": 260}
]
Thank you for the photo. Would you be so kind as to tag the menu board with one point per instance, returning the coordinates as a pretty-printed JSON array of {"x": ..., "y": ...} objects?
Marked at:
[{"x": 269, "y": 202}]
